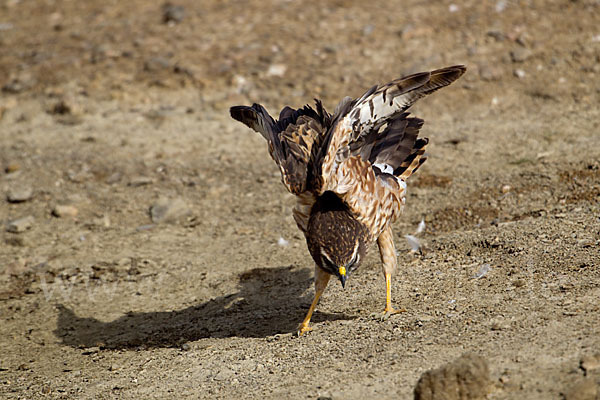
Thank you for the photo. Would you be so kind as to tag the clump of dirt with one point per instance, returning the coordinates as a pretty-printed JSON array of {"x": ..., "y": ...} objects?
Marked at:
[{"x": 466, "y": 378}]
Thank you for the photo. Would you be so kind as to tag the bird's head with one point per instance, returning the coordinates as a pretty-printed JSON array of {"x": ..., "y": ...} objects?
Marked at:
[{"x": 336, "y": 241}]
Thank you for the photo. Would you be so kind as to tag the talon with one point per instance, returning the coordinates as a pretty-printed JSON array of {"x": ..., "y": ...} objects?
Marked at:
[
  {"x": 388, "y": 312},
  {"x": 302, "y": 329}
]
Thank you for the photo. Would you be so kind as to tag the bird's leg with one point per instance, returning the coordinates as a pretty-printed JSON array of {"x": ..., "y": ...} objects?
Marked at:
[
  {"x": 387, "y": 250},
  {"x": 321, "y": 281}
]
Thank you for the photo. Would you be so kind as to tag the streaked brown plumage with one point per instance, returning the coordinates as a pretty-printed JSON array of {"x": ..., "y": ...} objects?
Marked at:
[{"x": 348, "y": 170}]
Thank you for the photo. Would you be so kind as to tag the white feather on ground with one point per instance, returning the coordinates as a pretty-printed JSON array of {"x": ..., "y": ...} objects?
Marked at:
[
  {"x": 413, "y": 242},
  {"x": 421, "y": 227}
]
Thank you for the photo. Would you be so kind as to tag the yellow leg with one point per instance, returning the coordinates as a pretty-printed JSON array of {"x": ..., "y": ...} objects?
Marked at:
[
  {"x": 389, "y": 310},
  {"x": 387, "y": 250},
  {"x": 321, "y": 281}
]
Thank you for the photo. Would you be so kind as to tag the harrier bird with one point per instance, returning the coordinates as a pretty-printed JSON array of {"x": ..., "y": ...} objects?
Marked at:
[{"x": 348, "y": 171}]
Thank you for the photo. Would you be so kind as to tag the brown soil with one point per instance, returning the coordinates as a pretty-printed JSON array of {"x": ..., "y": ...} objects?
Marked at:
[{"x": 108, "y": 109}]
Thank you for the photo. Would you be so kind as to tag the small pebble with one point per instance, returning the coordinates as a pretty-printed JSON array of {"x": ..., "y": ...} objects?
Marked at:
[
  {"x": 276, "y": 70},
  {"x": 168, "y": 210},
  {"x": 173, "y": 13},
  {"x": 20, "y": 225},
  {"x": 590, "y": 363},
  {"x": 519, "y": 73},
  {"x": 140, "y": 181},
  {"x": 19, "y": 194},
  {"x": 506, "y": 188},
  {"x": 64, "y": 211},
  {"x": 520, "y": 54}
]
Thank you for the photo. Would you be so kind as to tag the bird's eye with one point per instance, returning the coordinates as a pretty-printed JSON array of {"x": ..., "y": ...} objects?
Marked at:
[{"x": 328, "y": 263}]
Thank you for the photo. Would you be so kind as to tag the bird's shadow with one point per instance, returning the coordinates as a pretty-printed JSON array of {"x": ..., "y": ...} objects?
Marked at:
[{"x": 270, "y": 301}]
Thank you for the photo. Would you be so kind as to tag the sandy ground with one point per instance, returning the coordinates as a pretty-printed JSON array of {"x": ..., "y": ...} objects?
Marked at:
[{"x": 107, "y": 110}]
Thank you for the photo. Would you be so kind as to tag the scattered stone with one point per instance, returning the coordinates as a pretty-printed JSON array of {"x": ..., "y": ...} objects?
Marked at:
[
  {"x": 20, "y": 225},
  {"x": 140, "y": 181},
  {"x": 498, "y": 324},
  {"x": 499, "y": 36},
  {"x": 225, "y": 374},
  {"x": 146, "y": 227},
  {"x": 61, "y": 108},
  {"x": 172, "y": 13},
  {"x": 61, "y": 211},
  {"x": 276, "y": 70},
  {"x": 584, "y": 389},
  {"x": 519, "y": 73},
  {"x": 169, "y": 210},
  {"x": 490, "y": 72},
  {"x": 19, "y": 83},
  {"x": 19, "y": 194},
  {"x": 500, "y": 6},
  {"x": 156, "y": 64},
  {"x": 590, "y": 363},
  {"x": 466, "y": 378},
  {"x": 114, "y": 178},
  {"x": 367, "y": 30},
  {"x": 114, "y": 367},
  {"x": 16, "y": 241},
  {"x": 66, "y": 112},
  {"x": 518, "y": 283},
  {"x": 520, "y": 54}
]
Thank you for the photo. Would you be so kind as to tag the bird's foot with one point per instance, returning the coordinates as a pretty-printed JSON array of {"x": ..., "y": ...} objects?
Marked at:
[
  {"x": 303, "y": 328},
  {"x": 389, "y": 311}
]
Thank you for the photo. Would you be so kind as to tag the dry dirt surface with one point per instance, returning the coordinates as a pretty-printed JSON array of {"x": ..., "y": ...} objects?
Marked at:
[{"x": 147, "y": 247}]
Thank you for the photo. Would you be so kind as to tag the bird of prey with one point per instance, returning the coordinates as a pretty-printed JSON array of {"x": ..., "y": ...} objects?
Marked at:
[{"x": 348, "y": 171}]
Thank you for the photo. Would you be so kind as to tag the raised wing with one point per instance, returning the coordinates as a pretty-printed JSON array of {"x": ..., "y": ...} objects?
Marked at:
[
  {"x": 293, "y": 139},
  {"x": 373, "y": 116}
]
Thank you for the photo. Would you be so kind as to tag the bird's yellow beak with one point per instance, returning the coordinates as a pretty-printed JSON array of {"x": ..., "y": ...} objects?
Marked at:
[{"x": 342, "y": 273}]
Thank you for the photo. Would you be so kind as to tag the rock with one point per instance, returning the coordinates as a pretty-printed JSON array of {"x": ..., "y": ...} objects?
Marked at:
[
  {"x": 173, "y": 13},
  {"x": 276, "y": 70},
  {"x": 66, "y": 112},
  {"x": 520, "y": 54},
  {"x": 590, "y": 363},
  {"x": 140, "y": 181},
  {"x": 20, "y": 225},
  {"x": 169, "y": 210},
  {"x": 465, "y": 378},
  {"x": 225, "y": 374},
  {"x": 490, "y": 72},
  {"x": 156, "y": 64},
  {"x": 19, "y": 83},
  {"x": 64, "y": 211},
  {"x": 584, "y": 389},
  {"x": 499, "y": 36},
  {"x": 19, "y": 194},
  {"x": 519, "y": 73}
]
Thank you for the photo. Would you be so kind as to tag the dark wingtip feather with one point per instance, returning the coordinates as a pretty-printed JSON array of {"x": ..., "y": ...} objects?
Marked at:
[{"x": 237, "y": 112}]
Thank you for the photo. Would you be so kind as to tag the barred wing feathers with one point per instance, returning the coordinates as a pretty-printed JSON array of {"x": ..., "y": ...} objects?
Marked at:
[{"x": 291, "y": 139}]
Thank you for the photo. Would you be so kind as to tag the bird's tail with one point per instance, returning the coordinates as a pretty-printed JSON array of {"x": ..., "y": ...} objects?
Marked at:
[{"x": 413, "y": 161}]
